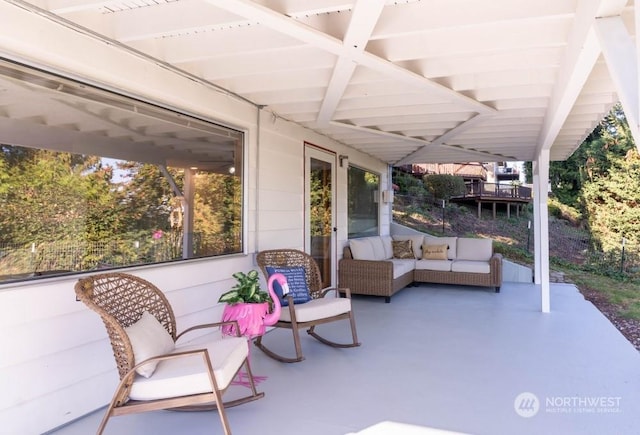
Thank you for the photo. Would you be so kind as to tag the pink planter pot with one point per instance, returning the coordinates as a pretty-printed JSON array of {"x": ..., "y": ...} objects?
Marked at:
[
  {"x": 250, "y": 318},
  {"x": 253, "y": 318}
]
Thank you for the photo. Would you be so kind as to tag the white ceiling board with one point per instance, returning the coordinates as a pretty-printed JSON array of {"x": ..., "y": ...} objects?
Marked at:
[{"x": 410, "y": 78}]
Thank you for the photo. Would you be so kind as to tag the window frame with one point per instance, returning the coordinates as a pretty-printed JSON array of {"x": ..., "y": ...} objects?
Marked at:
[
  {"x": 377, "y": 197},
  {"x": 172, "y": 114}
]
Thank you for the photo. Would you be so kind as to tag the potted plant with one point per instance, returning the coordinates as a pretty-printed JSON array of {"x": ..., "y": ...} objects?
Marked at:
[
  {"x": 247, "y": 290},
  {"x": 249, "y": 305}
]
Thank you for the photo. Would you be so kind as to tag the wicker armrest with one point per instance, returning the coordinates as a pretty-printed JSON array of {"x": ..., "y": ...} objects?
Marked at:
[
  {"x": 495, "y": 265},
  {"x": 372, "y": 269}
]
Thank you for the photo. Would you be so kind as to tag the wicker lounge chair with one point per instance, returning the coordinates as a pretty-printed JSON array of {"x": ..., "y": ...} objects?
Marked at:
[
  {"x": 325, "y": 305},
  {"x": 191, "y": 376}
]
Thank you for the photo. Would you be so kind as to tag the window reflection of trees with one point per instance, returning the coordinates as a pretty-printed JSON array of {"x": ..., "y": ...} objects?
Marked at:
[{"x": 363, "y": 190}]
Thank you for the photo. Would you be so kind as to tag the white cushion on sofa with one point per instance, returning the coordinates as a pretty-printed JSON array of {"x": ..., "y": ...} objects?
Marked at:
[
  {"x": 388, "y": 246},
  {"x": 474, "y": 249},
  {"x": 451, "y": 242},
  {"x": 361, "y": 249},
  {"x": 378, "y": 248},
  {"x": 440, "y": 265},
  {"x": 416, "y": 243},
  {"x": 400, "y": 266},
  {"x": 471, "y": 266}
]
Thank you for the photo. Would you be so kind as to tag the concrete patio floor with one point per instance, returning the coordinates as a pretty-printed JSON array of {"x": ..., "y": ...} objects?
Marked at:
[{"x": 445, "y": 357}]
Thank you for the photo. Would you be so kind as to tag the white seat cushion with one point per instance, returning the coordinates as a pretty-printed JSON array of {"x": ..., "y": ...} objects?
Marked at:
[
  {"x": 188, "y": 375},
  {"x": 318, "y": 309},
  {"x": 440, "y": 265},
  {"x": 474, "y": 249},
  {"x": 470, "y": 266},
  {"x": 400, "y": 267}
]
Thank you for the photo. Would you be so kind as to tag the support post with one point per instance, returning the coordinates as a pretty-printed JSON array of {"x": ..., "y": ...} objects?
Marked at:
[{"x": 541, "y": 227}]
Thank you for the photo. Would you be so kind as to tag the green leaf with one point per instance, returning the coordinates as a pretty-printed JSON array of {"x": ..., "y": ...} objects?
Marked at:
[{"x": 228, "y": 296}]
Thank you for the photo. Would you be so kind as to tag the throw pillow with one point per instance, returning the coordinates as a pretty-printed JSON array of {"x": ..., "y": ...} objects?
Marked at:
[
  {"x": 402, "y": 249},
  {"x": 434, "y": 252},
  {"x": 148, "y": 339},
  {"x": 296, "y": 281}
]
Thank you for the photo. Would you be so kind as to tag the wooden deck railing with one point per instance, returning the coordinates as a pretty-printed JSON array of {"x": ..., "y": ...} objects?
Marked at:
[{"x": 495, "y": 191}]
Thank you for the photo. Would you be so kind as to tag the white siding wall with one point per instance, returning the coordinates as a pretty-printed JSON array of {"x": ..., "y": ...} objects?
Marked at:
[{"x": 56, "y": 363}]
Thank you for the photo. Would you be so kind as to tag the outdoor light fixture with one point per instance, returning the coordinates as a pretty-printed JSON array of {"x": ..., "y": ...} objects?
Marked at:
[{"x": 342, "y": 158}]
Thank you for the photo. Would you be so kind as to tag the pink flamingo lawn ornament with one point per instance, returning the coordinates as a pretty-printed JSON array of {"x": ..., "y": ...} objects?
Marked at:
[{"x": 253, "y": 318}]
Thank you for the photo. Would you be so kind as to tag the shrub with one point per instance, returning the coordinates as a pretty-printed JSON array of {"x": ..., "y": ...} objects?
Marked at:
[{"x": 444, "y": 186}]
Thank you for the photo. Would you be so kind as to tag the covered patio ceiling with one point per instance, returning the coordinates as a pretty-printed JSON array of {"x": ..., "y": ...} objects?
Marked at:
[{"x": 404, "y": 81}]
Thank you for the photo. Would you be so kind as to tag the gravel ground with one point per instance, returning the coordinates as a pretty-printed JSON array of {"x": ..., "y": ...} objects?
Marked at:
[{"x": 630, "y": 328}]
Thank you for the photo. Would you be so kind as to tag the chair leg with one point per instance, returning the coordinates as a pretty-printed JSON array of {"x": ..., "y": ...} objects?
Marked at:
[
  {"x": 103, "y": 423},
  {"x": 222, "y": 413},
  {"x": 293, "y": 325},
  {"x": 311, "y": 331},
  {"x": 277, "y": 357},
  {"x": 354, "y": 334},
  {"x": 117, "y": 397}
]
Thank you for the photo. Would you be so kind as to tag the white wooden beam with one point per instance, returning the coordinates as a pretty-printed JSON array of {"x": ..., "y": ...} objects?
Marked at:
[
  {"x": 292, "y": 28},
  {"x": 621, "y": 56},
  {"x": 363, "y": 19},
  {"x": 422, "y": 154},
  {"x": 582, "y": 52}
]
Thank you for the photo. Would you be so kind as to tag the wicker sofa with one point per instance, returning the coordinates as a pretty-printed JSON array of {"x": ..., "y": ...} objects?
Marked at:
[{"x": 369, "y": 266}]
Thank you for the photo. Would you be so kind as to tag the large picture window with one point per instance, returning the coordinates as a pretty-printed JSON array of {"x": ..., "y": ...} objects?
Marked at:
[
  {"x": 90, "y": 179},
  {"x": 363, "y": 190}
]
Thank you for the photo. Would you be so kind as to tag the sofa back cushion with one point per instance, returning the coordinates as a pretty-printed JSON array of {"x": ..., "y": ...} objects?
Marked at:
[
  {"x": 474, "y": 249},
  {"x": 416, "y": 243},
  {"x": 378, "y": 248},
  {"x": 371, "y": 248},
  {"x": 361, "y": 249},
  {"x": 388, "y": 248},
  {"x": 451, "y": 242}
]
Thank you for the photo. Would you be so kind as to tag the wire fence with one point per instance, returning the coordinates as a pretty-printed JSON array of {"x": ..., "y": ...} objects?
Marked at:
[
  {"x": 577, "y": 246},
  {"x": 32, "y": 259}
]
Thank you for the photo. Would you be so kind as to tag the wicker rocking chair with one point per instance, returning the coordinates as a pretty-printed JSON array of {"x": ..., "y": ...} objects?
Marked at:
[
  {"x": 185, "y": 376},
  {"x": 325, "y": 306}
]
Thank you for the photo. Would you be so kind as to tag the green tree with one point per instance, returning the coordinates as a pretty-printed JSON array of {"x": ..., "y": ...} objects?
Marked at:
[
  {"x": 444, "y": 186},
  {"x": 52, "y": 193},
  {"x": 147, "y": 196},
  {"x": 217, "y": 213}
]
